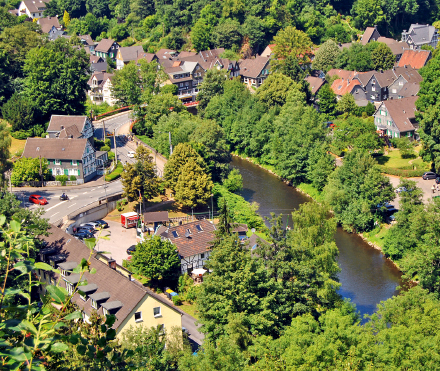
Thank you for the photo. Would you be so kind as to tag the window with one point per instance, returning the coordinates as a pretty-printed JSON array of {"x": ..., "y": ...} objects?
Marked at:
[
  {"x": 400, "y": 83},
  {"x": 373, "y": 88},
  {"x": 174, "y": 233},
  {"x": 378, "y": 120},
  {"x": 69, "y": 288},
  {"x": 138, "y": 317},
  {"x": 156, "y": 312},
  {"x": 202, "y": 256},
  {"x": 181, "y": 84},
  {"x": 83, "y": 297},
  {"x": 396, "y": 135},
  {"x": 394, "y": 91},
  {"x": 199, "y": 227},
  {"x": 105, "y": 311},
  {"x": 188, "y": 231},
  {"x": 74, "y": 162},
  {"x": 57, "y": 162},
  {"x": 94, "y": 304}
]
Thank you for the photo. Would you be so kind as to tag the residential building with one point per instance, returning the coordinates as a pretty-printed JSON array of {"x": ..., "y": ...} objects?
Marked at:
[
  {"x": 33, "y": 8},
  {"x": 415, "y": 58},
  {"x": 410, "y": 89},
  {"x": 127, "y": 54},
  {"x": 63, "y": 126},
  {"x": 370, "y": 34},
  {"x": 107, "y": 48},
  {"x": 54, "y": 34},
  {"x": 315, "y": 83},
  {"x": 397, "y": 47},
  {"x": 268, "y": 51},
  {"x": 342, "y": 74},
  {"x": 66, "y": 156},
  {"x": 193, "y": 242},
  {"x": 110, "y": 290},
  {"x": 99, "y": 67},
  {"x": 107, "y": 94},
  {"x": 396, "y": 118},
  {"x": 406, "y": 84},
  {"x": 149, "y": 57},
  {"x": 88, "y": 43},
  {"x": 47, "y": 23},
  {"x": 419, "y": 35},
  {"x": 342, "y": 86},
  {"x": 254, "y": 71},
  {"x": 100, "y": 88}
]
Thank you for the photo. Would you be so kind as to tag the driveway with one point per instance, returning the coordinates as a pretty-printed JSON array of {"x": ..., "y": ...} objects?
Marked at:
[{"x": 424, "y": 185}]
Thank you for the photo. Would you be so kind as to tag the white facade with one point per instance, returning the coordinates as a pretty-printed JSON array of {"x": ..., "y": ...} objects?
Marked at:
[
  {"x": 192, "y": 262},
  {"x": 37, "y": 9},
  {"x": 107, "y": 95}
]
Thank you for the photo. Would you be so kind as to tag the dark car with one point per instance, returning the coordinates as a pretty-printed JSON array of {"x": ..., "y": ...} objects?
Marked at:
[
  {"x": 86, "y": 228},
  {"x": 101, "y": 223},
  {"x": 131, "y": 249},
  {"x": 429, "y": 175},
  {"x": 37, "y": 199},
  {"x": 83, "y": 234},
  {"x": 437, "y": 180}
]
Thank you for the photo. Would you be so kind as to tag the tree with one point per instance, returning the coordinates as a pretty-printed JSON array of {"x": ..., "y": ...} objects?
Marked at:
[
  {"x": 234, "y": 182},
  {"x": 291, "y": 41},
  {"x": 5, "y": 144},
  {"x": 157, "y": 260},
  {"x": 98, "y": 8},
  {"x": 327, "y": 101},
  {"x": 406, "y": 148},
  {"x": 66, "y": 18},
  {"x": 346, "y": 104},
  {"x": 19, "y": 111},
  {"x": 226, "y": 34},
  {"x": 142, "y": 8},
  {"x": 28, "y": 169},
  {"x": 212, "y": 85},
  {"x": 275, "y": 90},
  {"x": 254, "y": 30},
  {"x": 367, "y": 13},
  {"x": 320, "y": 165},
  {"x": 56, "y": 78},
  {"x": 382, "y": 57},
  {"x": 194, "y": 185},
  {"x": 326, "y": 56},
  {"x": 126, "y": 85},
  {"x": 140, "y": 179},
  {"x": 201, "y": 35}
]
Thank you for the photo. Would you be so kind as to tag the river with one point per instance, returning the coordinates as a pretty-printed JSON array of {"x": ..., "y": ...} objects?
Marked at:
[{"x": 366, "y": 276}]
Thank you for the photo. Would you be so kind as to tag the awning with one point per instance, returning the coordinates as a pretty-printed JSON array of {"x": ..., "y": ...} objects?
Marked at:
[{"x": 199, "y": 271}]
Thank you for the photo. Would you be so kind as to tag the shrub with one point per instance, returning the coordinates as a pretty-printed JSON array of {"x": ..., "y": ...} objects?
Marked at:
[
  {"x": 72, "y": 178},
  {"x": 119, "y": 205},
  {"x": 105, "y": 148},
  {"x": 111, "y": 156},
  {"x": 22, "y": 134},
  {"x": 115, "y": 174},
  {"x": 62, "y": 178},
  {"x": 402, "y": 172},
  {"x": 159, "y": 290},
  {"x": 177, "y": 300}
]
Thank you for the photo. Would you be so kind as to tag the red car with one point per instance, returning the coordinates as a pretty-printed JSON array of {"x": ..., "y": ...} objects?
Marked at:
[{"x": 39, "y": 200}]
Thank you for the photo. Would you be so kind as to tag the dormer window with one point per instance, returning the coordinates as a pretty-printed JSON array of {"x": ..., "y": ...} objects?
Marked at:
[
  {"x": 199, "y": 228},
  {"x": 175, "y": 234},
  {"x": 98, "y": 298},
  {"x": 94, "y": 304}
]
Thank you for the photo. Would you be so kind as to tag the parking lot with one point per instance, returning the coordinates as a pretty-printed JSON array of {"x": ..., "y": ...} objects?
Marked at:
[{"x": 120, "y": 240}]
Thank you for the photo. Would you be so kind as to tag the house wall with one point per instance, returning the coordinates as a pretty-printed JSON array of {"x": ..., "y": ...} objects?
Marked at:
[
  {"x": 107, "y": 93},
  {"x": 384, "y": 121},
  {"x": 66, "y": 167},
  {"x": 22, "y": 9},
  {"x": 192, "y": 262},
  {"x": 374, "y": 91},
  {"x": 358, "y": 93},
  {"x": 396, "y": 87},
  {"x": 169, "y": 317}
]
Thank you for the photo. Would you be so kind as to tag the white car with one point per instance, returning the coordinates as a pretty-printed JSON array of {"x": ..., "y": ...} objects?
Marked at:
[{"x": 131, "y": 154}]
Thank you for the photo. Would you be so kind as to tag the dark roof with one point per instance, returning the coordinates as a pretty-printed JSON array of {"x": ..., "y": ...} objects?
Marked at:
[
  {"x": 402, "y": 112},
  {"x": 70, "y": 132},
  {"x": 99, "y": 67},
  {"x": 100, "y": 153},
  {"x": 397, "y": 47},
  {"x": 156, "y": 216},
  {"x": 110, "y": 305},
  {"x": 59, "y": 122},
  {"x": 364, "y": 77},
  {"x": 131, "y": 53},
  {"x": 55, "y": 148},
  {"x": 68, "y": 265},
  {"x": 87, "y": 39},
  {"x": 409, "y": 89},
  {"x": 421, "y": 33},
  {"x": 252, "y": 67},
  {"x": 34, "y": 5},
  {"x": 367, "y": 35},
  {"x": 198, "y": 242},
  {"x": 415, "y": 58},
  {"x": 111, "y": 285},
  {"x": 104, "y": 45},
  {"x": 47, "y": 23},
  {"x": 315, "y": 83},
  {"x": 88, "y": 288}
]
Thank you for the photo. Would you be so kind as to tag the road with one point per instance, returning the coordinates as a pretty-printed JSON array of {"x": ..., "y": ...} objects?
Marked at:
[{"x": 195, "y": 336}]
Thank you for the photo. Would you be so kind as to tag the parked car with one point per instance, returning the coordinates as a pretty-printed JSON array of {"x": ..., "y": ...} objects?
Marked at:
[
  {"x": 400, "y": 189},
  {"x": 131, "y": 249},
  {"x": 429, "y": 175},
  {"x": 86, "y": 228},
  {"x": 37, "y": 199},
  {"x": 391, "y": 219},
  {"x": 385, "y": 204},
  {"x": 83, "y": 234},
  {"x": 101, "y": 223},
  {"x": 131, "y": 154},
  {"x": 89, "y": 225},
  {"x": 437, "y": 180}
]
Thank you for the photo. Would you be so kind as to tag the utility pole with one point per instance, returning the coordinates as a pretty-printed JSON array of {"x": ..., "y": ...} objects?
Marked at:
[
  {"x": 103, "y": 133},
  {"x": 116, "y": 153},
  {"x": 171, "y": 146},
  {"x": 41, "y": 172}
]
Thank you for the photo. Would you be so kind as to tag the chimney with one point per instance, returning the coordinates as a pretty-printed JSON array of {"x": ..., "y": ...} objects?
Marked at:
[
  {"x": 112, "y": 263},
  {"x": 62, "y": 127},
  {"x": 129, "y": 276}
]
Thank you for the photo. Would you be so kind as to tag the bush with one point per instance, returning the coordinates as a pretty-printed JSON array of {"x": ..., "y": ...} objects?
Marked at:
[
  {"x": 62, "y": 178},
  {"x": 22, "y": 134},
  {"x": 72, "y": 178},
  {"x": 119, "y": 205},
  {"x": 402, "y": 172},
  {"x": 159, "y": 290},
  {"x": 177, "y": 300},
  {"x": 105, "y": 148},
  {"x": 115, "y": 174},
  {"x": 111, "y": 156}
]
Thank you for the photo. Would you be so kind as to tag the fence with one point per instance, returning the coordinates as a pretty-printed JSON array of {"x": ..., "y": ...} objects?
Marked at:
[
  {"x": 54, "y": 183},
  {"x": 111, "y": 113}
]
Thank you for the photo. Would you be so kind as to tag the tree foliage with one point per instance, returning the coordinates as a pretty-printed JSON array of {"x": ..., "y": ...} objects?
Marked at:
[
  {"x": 326, "y": 56},
  {"x": 28, "y": 169}
]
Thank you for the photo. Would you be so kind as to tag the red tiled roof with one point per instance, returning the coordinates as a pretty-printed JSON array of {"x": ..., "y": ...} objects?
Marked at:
[
  {"x": 341, "y": 86},
  {"x": 415, "y": 58},
  {"x": 343, "y": 74},
  {"x": 315, "y": 83}
]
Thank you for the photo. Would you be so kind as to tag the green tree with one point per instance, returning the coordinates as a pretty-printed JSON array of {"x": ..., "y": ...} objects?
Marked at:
[
  {"x": 382, "y": 57},
  {"x": 320, "y": 165},
  {"x": 28, "y": 169},
  {"x": 56, "y": 78},
  {"x": 406, "y": 148},
  {"x": 275, "y": 90},
  {"x": 327, "y": 101},
  {"x": 226, "y": 34},
  {"x": 201, "y": 35},
  {"x": 5, "y": 144},
  {"x": 254, "y": 30},
  {"x": 212, "y": 85},
  {"x": 142, "y": 8},
  {"x": 292, "y": 41},
  {"x": 157, "y": 260},
  {"x": 346, "y": 104},
  {"x": 367, "y": 13},
  {"x": 194, "y": 185},
  {"x": 99, "y": 8},
  {"x": 126, "y": 85},
  {"x": 140, "y": 179},
  {"x": 234, "y": 182},
  {"x": 19, "y": 112},
  {"x": 326, "y": 56}
]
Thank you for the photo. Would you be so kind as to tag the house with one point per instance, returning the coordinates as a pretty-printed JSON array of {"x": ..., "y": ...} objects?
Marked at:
[
  {"x": 89, "y": 44},
  {"x": 407, "y": 83},
  {"x": 415, "y": 58},
  {"x": 99, "y": 67},
  {"x": 54, "y": 34},
  {"x": 107, "y": 48},
  {"x": 63, "y": 126},
  {"x": 149, "y": 57},
  {"x": 342, "y": 74},
  {"x": 193, "y": 242},
  {"x": 127, "y": 54},
  {"x": 254, "y": 71},
  {"x": 397, "y": 47},
  {"x": 156, "y": 218},
  {"x": 110, "y": 290},
  {"x": 100, "y": 88},
  {"x": 419, "y": 35},
  {"x": 370, "y": 34},
  {"x": 375, "y": 84},
  {"x": 396, "y": 118},
  {"x": 66, "y": 156},
  {"x": 315, "y": 83},
  {"x": 33, "y": 8},
  {"x": 269, "y": 51},
  {"x": 101, "y": 159},
  {"x": 342, "y": 86},
  {"x": 47, "y": 23}
]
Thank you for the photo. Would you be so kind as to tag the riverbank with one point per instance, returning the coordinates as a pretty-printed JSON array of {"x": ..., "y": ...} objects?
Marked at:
[{"x": 372, "y": 238}]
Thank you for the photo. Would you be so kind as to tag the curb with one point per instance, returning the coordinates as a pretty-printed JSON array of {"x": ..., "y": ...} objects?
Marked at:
[
  {"x": 109, "y": 117},
  {"x": 63, "y": 187}
]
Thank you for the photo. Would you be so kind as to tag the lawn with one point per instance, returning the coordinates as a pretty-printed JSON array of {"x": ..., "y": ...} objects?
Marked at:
[
  {"x": 377, "y": 235},
  {"x": 392, "y": 159},
  {"x": 17, "y": 147},
  {"x": 190, "y": 309}
]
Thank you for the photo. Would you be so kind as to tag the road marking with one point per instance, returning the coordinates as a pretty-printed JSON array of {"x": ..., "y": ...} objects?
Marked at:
[
  {"x": 50, "y": 208},
  {"x": 72, "y": 205},
  {"x": 84, "y": 193},
  {"x": 73, "y": 197},
  {"x": 99, "y": 187},
  {"x": 92, "y": 189},
  {"x": 55, "y": 214}
]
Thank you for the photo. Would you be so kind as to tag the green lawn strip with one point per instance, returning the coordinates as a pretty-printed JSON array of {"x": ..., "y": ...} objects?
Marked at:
[
  {"x": 311, "y": 191},
  {"x": 377, "y": 235},
  {"x": 115, "y": 174},
  {"x": 190, "y": 309}
]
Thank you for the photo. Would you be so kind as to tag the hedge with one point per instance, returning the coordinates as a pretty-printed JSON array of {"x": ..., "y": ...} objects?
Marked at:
[
  {"x": 402, "y": 172},
  {"x": 115, "y": 174}
]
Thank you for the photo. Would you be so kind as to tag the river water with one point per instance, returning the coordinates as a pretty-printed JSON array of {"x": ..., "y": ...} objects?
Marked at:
[{"x": 366, "y": 277}]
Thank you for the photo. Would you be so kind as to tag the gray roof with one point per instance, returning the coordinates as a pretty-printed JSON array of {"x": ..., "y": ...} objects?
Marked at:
[
  {"x": 252, "y": 67},
  {"x": 364, "y": 77},
  {"x": 421, "y": 33},
  {"x": 104, "y": 45},
  {"x": 70, "y": 132},
  {"x": 100, "y": 295},
  {"x": 366, "y": 37},
  {"x": 156, "y": 216},
  {"x": 131, "y": 53},
  {"x": 55, "y": 148},
  {"x": 68, "y": 265},
  {"x": 74, "y": 278},
  {"x": 88, "y": 288},
  {"x": 112, "y": 305},
  {"x": 99, "y": 67},
  {"x": 409, "y": 89},
  {"x": 59, "y": 122}
]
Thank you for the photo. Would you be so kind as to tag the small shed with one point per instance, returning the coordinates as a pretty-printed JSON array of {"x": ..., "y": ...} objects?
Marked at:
[{"x": 156, "y": 218}]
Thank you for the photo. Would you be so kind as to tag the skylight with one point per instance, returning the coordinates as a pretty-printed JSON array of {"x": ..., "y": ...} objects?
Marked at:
[
  {"x": 199, "y": 227},
  {"x": 175, "y": 235}
]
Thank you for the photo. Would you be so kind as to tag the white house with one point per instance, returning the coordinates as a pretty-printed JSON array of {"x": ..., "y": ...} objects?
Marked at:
[{"x": 32, "y": 8}]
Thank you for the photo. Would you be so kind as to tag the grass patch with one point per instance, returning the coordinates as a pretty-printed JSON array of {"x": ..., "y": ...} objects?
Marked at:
[
  {"x": 17, "y": 147},
  {"x": 262, "y": 235},
  {"x": 116, "y": 173},
  {"x": 393, "y": 160},
  {"x": 191, "y": 309},
  {"x": 311, "y": 191},
  {"x": 377, "y": 235}
]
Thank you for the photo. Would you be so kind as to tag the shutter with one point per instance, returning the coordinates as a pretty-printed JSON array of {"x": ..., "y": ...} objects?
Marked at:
[
  {"x": 54, "y": 162},
  {"x": 79, "y": 172},
  {"x": 66, "y": 172},
  {"x": 71, "y": 162}
]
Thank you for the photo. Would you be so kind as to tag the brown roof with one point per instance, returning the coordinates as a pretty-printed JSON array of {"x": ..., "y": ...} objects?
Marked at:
[
  {"x": 397, "y": 47},
  {"x": 240, "y": 228},
  {"x": 87, "y": 38},
  {"x": 148, "y": 56},
  {"x": 13, "y": 11},
  {"x": 95, "y": 59},
  {"x": 101, "y": 77},
  {"x": 107, "y": 282},
  {"x": 343, "y": 46},
  {"x": 33, "y": 5},
  {"x": 47, "y": 23},
  {"x": 59, "y": 122},
  {"x": 364, "y": 77},
  {"x": 198, "y": 241},
  {"x": 410, "y": 74},
  {"x": 342, "y": 87},
  {"x": 131, "y": 53},
  {"x": 343, "y": 74},
  {"x": 165, "y": 53},
  {"x": 402, "y": 112},
  {"x": 104, "y": 45},
  {"x": 409, "y": 89},
  {"x": 415, "y": 58},
  {"x": 156, "y": 216},
  {"x": 386, "y": 78},
  {"x": 315, "y": 83},
  {"x": 70, "y": 132},
  {"x": 55, "y": 148},
  {"x": 211, "y": 54},
  {"x": 367, "y": 35},
  {"x": 253, "y": 67},
  {"x": 186, "y": 54}
]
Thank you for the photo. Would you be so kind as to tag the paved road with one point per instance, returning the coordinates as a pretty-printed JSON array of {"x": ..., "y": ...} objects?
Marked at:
[
  {"x": 189, "y": 323},
  {"x": 111, "y": 123}
]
